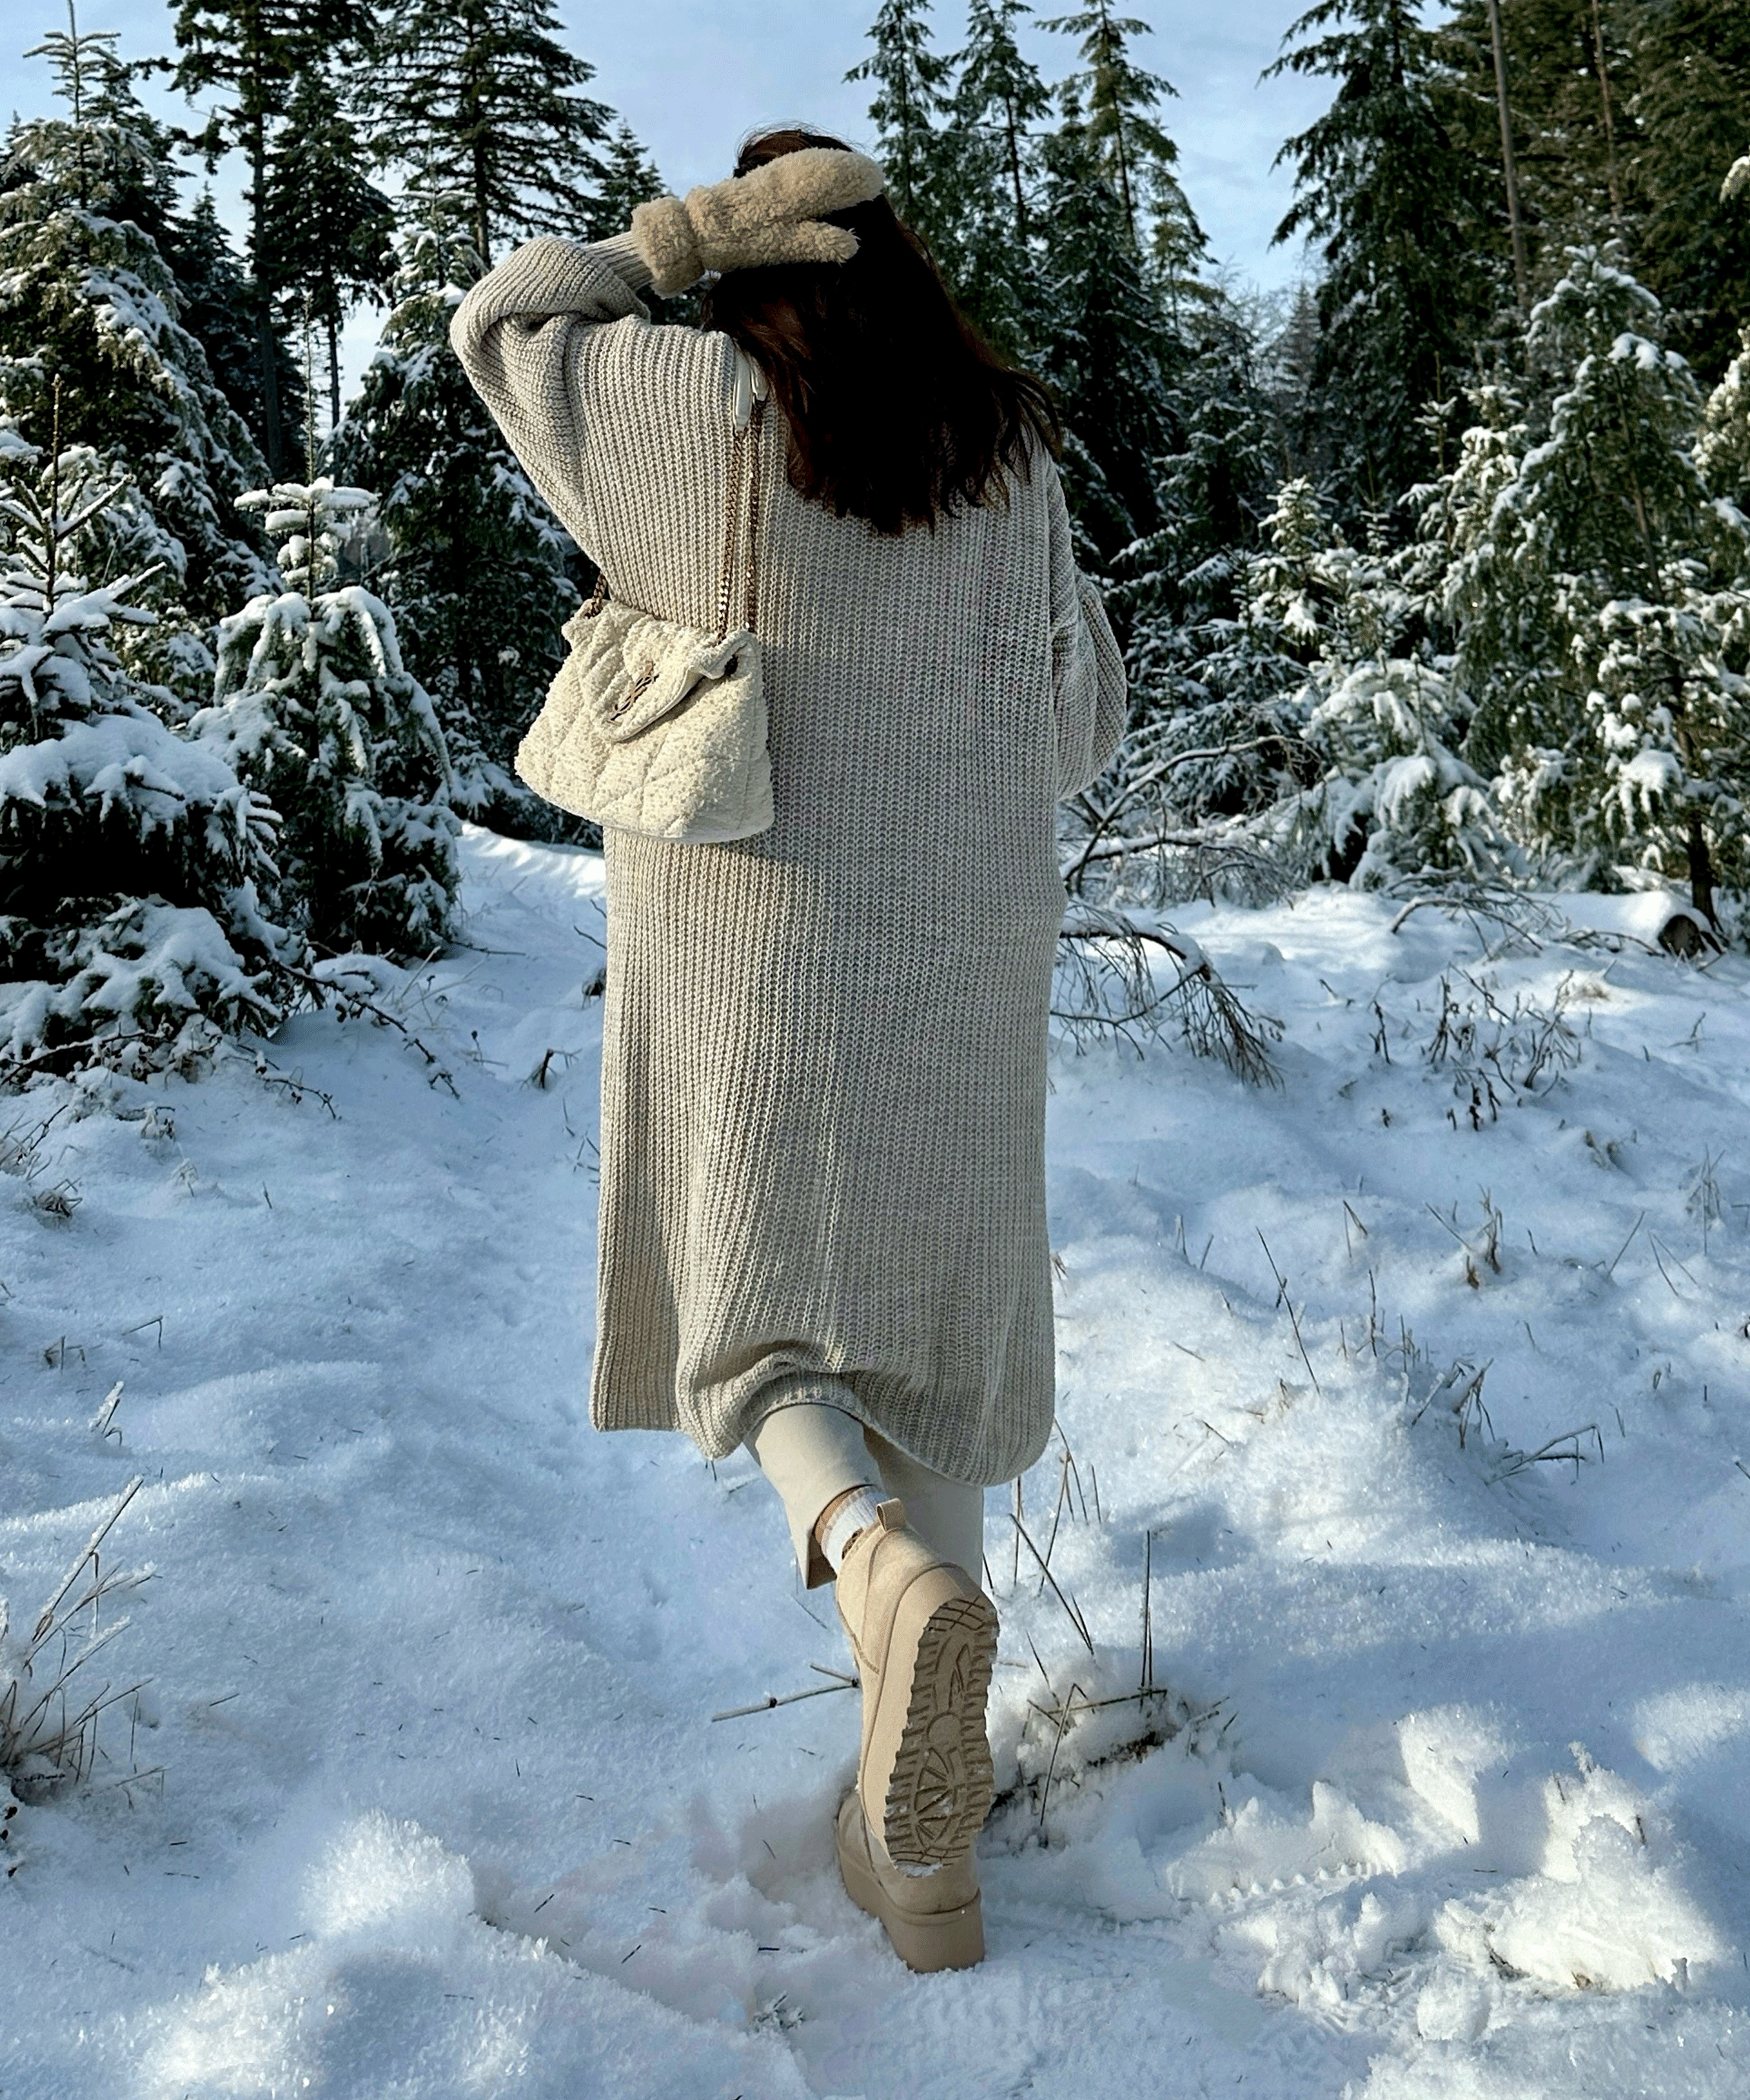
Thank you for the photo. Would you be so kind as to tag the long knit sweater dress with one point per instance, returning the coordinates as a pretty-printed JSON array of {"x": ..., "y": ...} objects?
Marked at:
[{"x": 824, "y": 1047}]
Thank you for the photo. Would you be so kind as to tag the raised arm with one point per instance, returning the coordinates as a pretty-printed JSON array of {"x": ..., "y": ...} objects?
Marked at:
[
  {"x": 517, "y": 333},
  {"x": 1087, "y": 668},
  {"x": 523, "y": 333}
]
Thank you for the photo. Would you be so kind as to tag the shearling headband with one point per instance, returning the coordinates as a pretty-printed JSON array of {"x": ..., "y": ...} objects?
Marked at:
[{"x": 772, "y": 214}]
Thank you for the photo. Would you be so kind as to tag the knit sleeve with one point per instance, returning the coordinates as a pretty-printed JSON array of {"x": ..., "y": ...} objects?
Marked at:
[
  {"x": 517, "y": 333},
  {"x": 1087, "y": 668}
]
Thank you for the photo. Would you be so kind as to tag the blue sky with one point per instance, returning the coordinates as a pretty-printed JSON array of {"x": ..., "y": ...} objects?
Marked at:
[{"x": 691, "y": 77}]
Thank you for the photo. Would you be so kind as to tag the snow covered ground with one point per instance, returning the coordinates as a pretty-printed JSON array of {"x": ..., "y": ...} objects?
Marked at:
[{"x": 1453, "y": 1801}]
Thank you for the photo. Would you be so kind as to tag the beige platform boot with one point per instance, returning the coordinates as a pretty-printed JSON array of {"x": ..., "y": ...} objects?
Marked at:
[
  {"x": 933, "y": 1920},
  {"x": 924, "y": 1636}
]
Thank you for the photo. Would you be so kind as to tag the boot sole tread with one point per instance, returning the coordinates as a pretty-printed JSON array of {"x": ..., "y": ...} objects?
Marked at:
[{"x": 940, "y": 1789}]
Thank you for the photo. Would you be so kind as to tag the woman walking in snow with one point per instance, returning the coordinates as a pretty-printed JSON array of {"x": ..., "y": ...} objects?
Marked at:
[{"x": 823, "y": 1207}]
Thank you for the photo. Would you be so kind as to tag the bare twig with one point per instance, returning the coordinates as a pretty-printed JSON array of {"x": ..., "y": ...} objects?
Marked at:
[
  {"x": 787, "y": 1699},
  {"x": 352, "y": 1003}
]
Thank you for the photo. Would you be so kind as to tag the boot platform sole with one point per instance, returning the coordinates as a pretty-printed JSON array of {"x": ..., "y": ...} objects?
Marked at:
[
  {"x": 940, "y": 1778},
  {"x": 924, "y": 1941}
]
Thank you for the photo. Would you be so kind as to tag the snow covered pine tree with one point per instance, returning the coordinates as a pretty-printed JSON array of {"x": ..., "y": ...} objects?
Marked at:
[
  {"x": 135, "y": 876},
  {"x": 1603, "y": 602},
  {"x": 86, "y": 294},
  {"x": 315, "y": 708}
]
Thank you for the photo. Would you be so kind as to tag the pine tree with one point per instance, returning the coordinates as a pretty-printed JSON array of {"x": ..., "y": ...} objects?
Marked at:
[
  {"x": 1214, "y": 696},
  {"x": 1692, "y": 109},
  {"x": 218, "y": 312},
  {"x": 1607, "y": 598},
  {"x": 136, "y": 876},
  {"x": 88, "y": 296},
  {"x": 1381, "y": 185},
  {"x": 921, "y": 151},
  {"x": 1381, "y": 719},
  {"x": 481, "y": 96},
  {"x": 1219, "y": 482},
  {"x": 1465, "y": 575},
  {"x": 314, "y": 707},
  {"x": 1105, "y": 348},
  {"x": 1569, "y": 78},
  {"x": 999, "y": 96},
  {"x": 329, "y": 227},
  {"x": 253, "y": 52},
  {"x": 1125, "y": 143},
  {"x": 478, "y": 574},
  {"x": 627, "y": 177}
]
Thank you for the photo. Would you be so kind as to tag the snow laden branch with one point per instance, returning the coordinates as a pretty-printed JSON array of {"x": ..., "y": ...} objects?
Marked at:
[{"x": 1110, "y": 982}]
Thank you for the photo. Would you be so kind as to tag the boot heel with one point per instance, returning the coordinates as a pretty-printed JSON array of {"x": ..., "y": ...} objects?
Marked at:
[
  {"x": 925, "y": 1942},
  {"x": 953, "y": 1939}
]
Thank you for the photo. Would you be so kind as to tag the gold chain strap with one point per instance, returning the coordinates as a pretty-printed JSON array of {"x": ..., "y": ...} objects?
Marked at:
[
  {"x": 731, "y": 521},
  {"x": 756, "y": 418},
  {"x": 744, "y": 463}
]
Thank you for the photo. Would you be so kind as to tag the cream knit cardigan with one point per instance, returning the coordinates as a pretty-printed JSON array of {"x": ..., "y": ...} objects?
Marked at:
[{"x": 823, "y": 1054}]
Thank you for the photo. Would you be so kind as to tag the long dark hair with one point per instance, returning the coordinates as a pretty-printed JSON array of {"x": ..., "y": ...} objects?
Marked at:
[{"x": 899, "y": 410}]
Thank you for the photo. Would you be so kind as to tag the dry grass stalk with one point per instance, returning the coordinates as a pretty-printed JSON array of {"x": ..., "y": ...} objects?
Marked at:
[
  {"x": 48, "y": 1724},
  {"x": 1162, "y": 1717},
  {"x": 1071, "y": 1611},
  {"x": 1294, "y": 1318},
  {"x": 1568, "y": 1449}
]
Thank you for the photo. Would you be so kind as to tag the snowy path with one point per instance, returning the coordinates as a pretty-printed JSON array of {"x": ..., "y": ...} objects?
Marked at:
[{"x": 1460, "y": 1805}]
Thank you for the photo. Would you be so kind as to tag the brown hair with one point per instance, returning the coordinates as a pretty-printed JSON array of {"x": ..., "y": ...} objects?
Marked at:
[{"x": 899, "y": 410}]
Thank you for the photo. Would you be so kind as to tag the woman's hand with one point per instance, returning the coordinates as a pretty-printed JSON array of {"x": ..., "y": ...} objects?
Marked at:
[{"x": 771, "y": 215}]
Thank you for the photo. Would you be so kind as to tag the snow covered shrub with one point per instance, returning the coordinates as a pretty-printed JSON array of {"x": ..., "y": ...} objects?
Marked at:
[
  {"x": 1382, "y": 720},
  {"x": 315, "y": 710},
  {"x": 1722, "y": 450},
  {"x": 1397, "y": 787},
  {"x": 133, "y": 864},
  {"x": 1210, "y": 791},
  {"x": 476, "y": 575}
]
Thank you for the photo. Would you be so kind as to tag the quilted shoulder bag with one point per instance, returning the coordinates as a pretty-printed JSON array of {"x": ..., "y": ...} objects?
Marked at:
[{"x": 659, "y": 729}]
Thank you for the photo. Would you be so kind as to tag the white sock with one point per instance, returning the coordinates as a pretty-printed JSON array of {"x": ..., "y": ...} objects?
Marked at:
[{"x": 856, "y": 1513}]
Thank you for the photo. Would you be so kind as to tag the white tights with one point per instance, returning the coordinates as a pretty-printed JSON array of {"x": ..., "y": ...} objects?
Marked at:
[{"x": 812, "y": 1454}]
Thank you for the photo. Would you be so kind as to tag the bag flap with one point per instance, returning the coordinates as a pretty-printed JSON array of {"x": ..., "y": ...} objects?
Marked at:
[{"x": 661, "y": 665}]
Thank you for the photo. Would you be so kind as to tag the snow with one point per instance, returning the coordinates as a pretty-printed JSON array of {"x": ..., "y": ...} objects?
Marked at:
[
  {"x": 131, "y": 758},
  {"x": 1449, "y": 1798}
]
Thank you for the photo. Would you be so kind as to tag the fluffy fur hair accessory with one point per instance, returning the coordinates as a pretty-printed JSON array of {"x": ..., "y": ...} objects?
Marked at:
[{"x": 772, "y": 215}]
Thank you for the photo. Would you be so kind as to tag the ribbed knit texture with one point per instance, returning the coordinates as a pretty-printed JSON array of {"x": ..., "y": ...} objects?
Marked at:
[{"x": 823, "y": 1049}]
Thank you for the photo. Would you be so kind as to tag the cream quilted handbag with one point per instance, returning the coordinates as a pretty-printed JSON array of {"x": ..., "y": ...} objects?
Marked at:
[{"x": 659, "y": 729}]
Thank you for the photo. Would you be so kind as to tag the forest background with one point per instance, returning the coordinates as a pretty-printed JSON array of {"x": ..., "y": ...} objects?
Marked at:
[{"x": 1433, "y": 575}]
